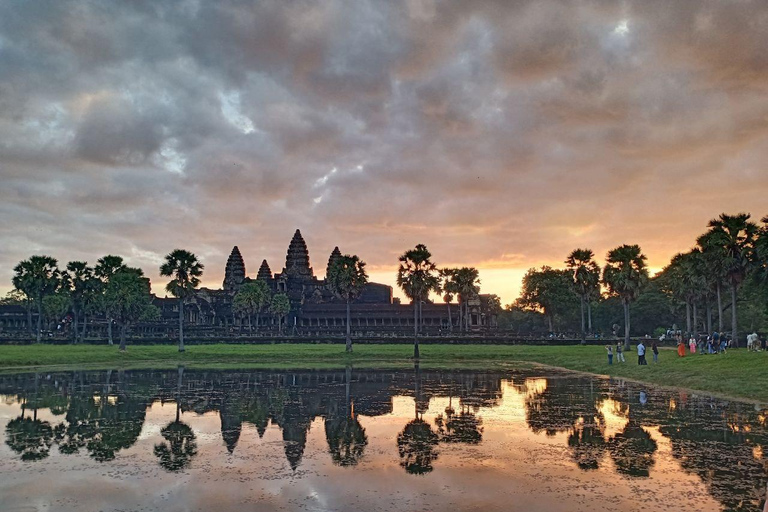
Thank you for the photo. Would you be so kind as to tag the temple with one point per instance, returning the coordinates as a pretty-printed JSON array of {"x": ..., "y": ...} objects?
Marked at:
[{"x": 314, "y": 308}]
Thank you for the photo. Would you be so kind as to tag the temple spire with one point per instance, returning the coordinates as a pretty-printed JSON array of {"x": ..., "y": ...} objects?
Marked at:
[
  {"x": 335, "y": 255},
  {"x": 265, "y": 273},
  {"x": 234, "y": 272},
  {"x": 297, "y": 258}
]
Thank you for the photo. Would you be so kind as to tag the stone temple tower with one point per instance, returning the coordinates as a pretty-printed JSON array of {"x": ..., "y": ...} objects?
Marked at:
[
  {"x": 265, "y": 273},
  {"x": 234, "y": 273},
  {"x": 297, "y": 258},
  {"x": 335, "y": 255}
]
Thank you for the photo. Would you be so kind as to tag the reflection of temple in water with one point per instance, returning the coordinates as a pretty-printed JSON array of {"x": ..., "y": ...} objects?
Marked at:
[{"x": 723, "y": 443}]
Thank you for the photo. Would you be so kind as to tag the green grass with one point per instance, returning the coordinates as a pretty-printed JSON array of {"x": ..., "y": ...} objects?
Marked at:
[{"x": 737, "y": 373}]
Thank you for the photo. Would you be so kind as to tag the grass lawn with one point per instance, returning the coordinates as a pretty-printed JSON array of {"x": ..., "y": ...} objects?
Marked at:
[{"x": 738, "y": 373}]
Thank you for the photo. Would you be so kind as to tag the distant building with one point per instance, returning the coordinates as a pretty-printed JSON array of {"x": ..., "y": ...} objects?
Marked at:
[{"x": 314, "y": 308}]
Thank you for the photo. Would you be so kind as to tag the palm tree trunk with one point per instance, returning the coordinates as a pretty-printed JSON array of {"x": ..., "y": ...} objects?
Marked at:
[
  {"x": 709, "y": 314},
  {"x": 39, "y": 317},
  {"x": 687, "y": 315},
  {"x": 85, "y": 327},
  {"x": 734, "y": 326},
  {"x": 349, "y": 329},
  {"x": 695, "y": 318},
  {"x": 29, "y": 317},
  {"x": 589, "y": 315},
  {"x": 450, "y": 320},
  {"x": 250, "y": 326},
  {"x": 461, "y": 315},
  {"x": 626, "y": 325},
  {"x": 719, "y": 310},
  {"x": 122, "y": 337},
  {"x": 181, "y": 324},
  {"x": 583, "y": 333},
  {"x": 550, "y": 323},
  {"x": 421, "y": 317},
  {"x": 75, "y": 329},
  {"x": 109, "y": 329}
]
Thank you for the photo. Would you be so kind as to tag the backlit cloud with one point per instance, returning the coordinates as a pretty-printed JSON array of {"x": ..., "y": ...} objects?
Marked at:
[{"x": 502, "y": 134}]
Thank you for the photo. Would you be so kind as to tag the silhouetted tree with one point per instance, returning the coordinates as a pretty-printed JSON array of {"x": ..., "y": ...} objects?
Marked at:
[
  {"x": 347, "y": 279},
  {"x": 185, "y": 271}
]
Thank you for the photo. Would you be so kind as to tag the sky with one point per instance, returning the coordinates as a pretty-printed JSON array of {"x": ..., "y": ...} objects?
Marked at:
[{"x": 500, "y": 133}]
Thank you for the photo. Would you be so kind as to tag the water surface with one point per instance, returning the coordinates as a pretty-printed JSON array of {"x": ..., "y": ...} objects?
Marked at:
[{"x": 377, "y": 440}]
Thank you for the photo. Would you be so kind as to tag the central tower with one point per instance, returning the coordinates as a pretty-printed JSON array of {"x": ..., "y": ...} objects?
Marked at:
[{"x": 297, "y": 258}]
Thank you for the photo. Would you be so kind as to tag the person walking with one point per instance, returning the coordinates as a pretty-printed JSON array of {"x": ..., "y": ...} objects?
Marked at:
[
  {"x": 680, "y": 348},
  {"x": 692, "y": 344},
  {"x": 641, "y": 354},
  {"x": 655, "y": 350},
  {"x": 620, "y": 353},
  {"x": 610, "y": 354}
]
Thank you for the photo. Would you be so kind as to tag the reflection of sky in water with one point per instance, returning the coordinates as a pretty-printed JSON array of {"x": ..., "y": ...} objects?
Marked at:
[{"x": 512, "y": 468}]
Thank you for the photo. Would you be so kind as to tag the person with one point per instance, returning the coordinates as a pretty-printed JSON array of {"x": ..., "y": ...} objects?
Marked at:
[
  {"x": 641, "y": 354},
  {"x": 655, "y": 350},
  {"x": 620, "y": 353},
  {"x": 751, "y": 342},
  {"x": 762, "y": 343},
  {"x": 715, "y": 343},
  {"x": 680, "y": 348},
  {"x": 610, "y": 354},
  {"x": 692, "y": 344}
]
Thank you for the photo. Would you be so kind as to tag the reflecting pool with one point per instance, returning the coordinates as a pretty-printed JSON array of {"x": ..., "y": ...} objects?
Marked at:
[{"x": 372, "y": 440}]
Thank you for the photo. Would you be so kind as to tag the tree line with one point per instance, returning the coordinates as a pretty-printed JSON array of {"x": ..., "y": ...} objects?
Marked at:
[
  {"x": 121, "y": 294},
  {"x": 728, "y": 266}
]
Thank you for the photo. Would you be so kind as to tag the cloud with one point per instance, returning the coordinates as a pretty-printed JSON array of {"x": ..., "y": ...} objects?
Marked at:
[{"x": 501, "y": 134}]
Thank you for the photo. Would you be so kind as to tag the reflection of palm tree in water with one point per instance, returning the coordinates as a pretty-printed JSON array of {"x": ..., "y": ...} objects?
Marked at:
[
  {"x": 464, "y": 427},
  {"x": 181, "y": 445},
  {"x": 29, "y": 437},
  {"x": 417, "y": 443},
  {"x": 632, "y": 450},
  {"x": 587, "y": 445},
  {"x": 345, "y": 435}
]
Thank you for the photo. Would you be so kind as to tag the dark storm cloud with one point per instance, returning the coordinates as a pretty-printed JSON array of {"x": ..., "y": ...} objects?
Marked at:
[{"x": 500, "y": 133}]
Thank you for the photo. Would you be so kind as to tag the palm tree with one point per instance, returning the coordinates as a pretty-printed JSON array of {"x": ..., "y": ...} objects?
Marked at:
[
  {"x": 347, "y": 279},
  {"x": 417, "y": 276},
  {"x": 280, "y": 306},
  {"x": 761, "y": 251},
  {"x": 186, "y": 271},
  {"x": 105, "y": 268},
  {"x": 37, "y": 278},
  {"x": 467, "y": 281},
  {"x": 127, "y": 298},
  {"x": 586, "y": 279},
  {"x": 686, "y": 283},
  {"x": 714, "y": 264},
  {"x": 450, "y": 289},
  {"x": 251, "y": 299},
  {"x": 735, "y": 235},
  {"x": 78, "y": 278},
  {"x": 625, "y": 274}
]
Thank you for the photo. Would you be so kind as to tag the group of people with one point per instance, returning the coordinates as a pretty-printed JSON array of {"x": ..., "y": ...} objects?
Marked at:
[
  {"x": 619, "y": 350},
  {"x": 756, "y": 343},
  {"x": 714, "y": 343}
]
